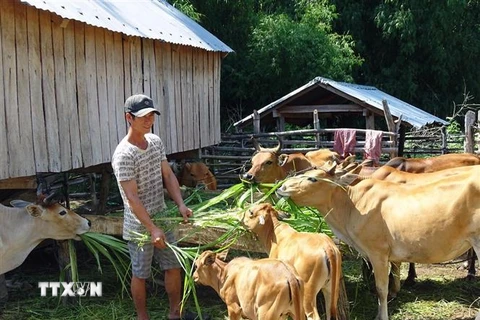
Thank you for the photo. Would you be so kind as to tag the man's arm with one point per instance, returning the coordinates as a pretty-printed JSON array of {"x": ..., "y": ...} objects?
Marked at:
[
  {"x": 137, "y": 207},
  {"x": 171, "y": 183}
]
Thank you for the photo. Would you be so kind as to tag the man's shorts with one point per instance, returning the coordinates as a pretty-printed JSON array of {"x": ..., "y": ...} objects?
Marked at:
[{"x": 141, "y": 257}]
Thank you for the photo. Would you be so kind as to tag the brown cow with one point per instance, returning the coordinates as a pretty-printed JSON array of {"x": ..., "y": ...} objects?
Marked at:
[
  {"x": 269, "y": 166},
  {"x": 391, "y": 222},
  {"x": 314, "y": 256},
  {"x": 320, "y": 156},
  {"x": 197, "y": 173},
  {"x": 265, "y": 289},
  {"x": 445, "y": 161}
]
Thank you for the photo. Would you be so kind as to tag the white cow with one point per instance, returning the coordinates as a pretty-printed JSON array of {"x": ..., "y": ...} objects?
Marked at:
[{"x": 22, "y": 229}]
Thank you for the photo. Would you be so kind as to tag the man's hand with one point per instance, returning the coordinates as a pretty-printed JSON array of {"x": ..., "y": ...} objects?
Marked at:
[
  {"x": 186, "y": 212},
  {"x": 158, "y": 238}
]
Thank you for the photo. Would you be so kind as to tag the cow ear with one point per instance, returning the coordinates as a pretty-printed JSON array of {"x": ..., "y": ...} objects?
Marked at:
[
  {"x": 282, "y": 159},
  {"x": 34, "y": 210},
  {"x": 347, "y": 178},
  {"x": 282, "y": 215},
  {"x": 223, "y": 255},
  {"x": 261, "y": 220},
  {"x": 330, "y": 167},
  {"x": 210, "y": 259}
]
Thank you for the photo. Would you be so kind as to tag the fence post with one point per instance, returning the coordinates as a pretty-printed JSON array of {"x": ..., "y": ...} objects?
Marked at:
[
  {"x": 468, "y": 145},
  {"x": 444, "y": 139},
  {"x": 391, "y": 126},
  {"x": 316, "y": 126},
  {"x": 256, "y": 122}
]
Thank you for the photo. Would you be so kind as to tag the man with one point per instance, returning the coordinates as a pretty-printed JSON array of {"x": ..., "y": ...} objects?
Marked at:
[{"x": 141, "y": 168}]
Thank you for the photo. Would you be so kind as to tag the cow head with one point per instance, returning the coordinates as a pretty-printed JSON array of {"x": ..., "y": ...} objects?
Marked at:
[
  {"x": 266, "y": 164},
  {"x": 315, "y": 186},
  {"x": 197, "y": 173},
  {"x": 262, "y": 216},
  {"x": 208, "y": 268},
  {"x": 321, "y": 156},
  {"x": 60, "y": 223}
]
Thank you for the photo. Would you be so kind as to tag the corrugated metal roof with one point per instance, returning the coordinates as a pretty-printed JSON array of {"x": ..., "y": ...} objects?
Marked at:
[
  {"x": 154, "y": 19},
  {"x": 355, "y": 92}
]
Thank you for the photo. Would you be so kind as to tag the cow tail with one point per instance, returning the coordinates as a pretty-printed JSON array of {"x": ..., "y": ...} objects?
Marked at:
[
  {"x": 295, "y": 289},
  {"x": 335, "y": 257}
]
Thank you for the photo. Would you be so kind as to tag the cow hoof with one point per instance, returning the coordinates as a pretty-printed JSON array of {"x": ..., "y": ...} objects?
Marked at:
[
  {"x": 470, "y": 277},
  {"x": 409, "y": 282}
]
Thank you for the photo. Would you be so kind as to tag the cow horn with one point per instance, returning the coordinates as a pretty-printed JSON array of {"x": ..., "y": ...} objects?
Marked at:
[
  {"x": 48, "y": 198},
  {"x": 280, "y": 143},
  {"x": 255, "y": 143},
  {"x": 330, "y": 167}
]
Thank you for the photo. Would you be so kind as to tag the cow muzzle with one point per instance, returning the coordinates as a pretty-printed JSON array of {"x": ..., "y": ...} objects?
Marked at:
[{"x": 248, "y": 177}]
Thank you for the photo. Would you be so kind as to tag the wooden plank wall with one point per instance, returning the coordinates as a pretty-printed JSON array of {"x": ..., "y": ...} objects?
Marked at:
[{"x": 64, "y": 83}]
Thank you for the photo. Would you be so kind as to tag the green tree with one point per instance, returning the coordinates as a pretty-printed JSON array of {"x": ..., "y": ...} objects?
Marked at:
[
  {"x": 279, "y": 46},
  {"x": 423, "y": 52}
]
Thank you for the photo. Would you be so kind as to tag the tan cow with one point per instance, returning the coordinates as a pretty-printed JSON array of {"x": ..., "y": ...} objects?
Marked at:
[
  {"x": 314, "y": 256},
  {"x": 269, "y": 166},
  {"x": 427, "y": 170},
  {"x": 320, "y": 156},
  {"x": 391, "y": 222},
  {"x": 265, "y": 289},
  {"x": 22, "y": 229},
  {"x": 445, "y": 161},
  {"x": 197, "y": 173}
]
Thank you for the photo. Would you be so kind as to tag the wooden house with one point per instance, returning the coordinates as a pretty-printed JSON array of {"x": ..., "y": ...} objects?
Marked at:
[{"x": 66, "y": 68}]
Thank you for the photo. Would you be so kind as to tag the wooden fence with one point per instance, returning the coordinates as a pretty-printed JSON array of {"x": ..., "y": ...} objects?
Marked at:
[{"x": 231, "y": 158}]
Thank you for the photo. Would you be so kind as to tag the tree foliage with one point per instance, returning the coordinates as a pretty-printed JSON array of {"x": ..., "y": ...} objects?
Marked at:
[
  {"x": 279, "y": 46},
  {"x": 423, "y": 52}
]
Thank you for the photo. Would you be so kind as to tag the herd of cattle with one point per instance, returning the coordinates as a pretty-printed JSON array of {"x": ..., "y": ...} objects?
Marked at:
[{"x": 409, "y": 210}]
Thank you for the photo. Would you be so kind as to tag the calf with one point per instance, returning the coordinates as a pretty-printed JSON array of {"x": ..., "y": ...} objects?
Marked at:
[
  {"x": 197, "y": 173},
  {"x": 265, "y": 289},
  {"x": 314, "y": 256}
]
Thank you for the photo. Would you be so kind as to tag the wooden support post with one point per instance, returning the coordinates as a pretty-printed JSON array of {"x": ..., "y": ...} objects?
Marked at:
[
  {"x": 478, "y": 130},
  {"x": 401, "y": 140},
  {"x": 104, "y": 190},
  {"x": 391, "y": 126},
  {"x": 469, "y": 143},
  {"x": 3, "y": 293},
  {"x": 256, "y": 122},
  {"x": 316, "y": 126},
  {"x": 444, "y": 140},
  {"x": 369, "y": 120},
  {"x": 281, "y": 123},
  {"x": 63, "y": 262}
]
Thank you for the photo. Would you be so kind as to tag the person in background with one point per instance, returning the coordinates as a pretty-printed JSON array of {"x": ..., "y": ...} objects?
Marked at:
[{"x": 141, "y": 169}]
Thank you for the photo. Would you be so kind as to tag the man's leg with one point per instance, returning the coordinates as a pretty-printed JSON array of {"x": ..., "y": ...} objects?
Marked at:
[
  {"x": 141, "y": 268},
  {"x": 139, "y": 295},
  {"x": 173, "y": 286}
]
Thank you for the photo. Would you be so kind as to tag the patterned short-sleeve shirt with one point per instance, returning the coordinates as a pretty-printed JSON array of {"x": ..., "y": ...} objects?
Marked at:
[{"x": 144, "y": 166}]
